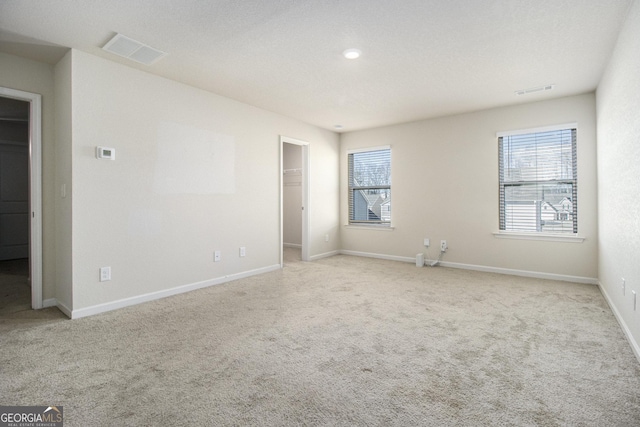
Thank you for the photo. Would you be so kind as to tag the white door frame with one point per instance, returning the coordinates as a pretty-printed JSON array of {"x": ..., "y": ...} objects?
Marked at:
[
  {"x": 35, "y": 188},
  {"x": 304, "y": 145}
]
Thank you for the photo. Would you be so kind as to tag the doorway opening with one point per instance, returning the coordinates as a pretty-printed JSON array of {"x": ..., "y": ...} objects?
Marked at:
[
  {"x": 294, "y": 199},
  {"x": 20, "y": 198}
]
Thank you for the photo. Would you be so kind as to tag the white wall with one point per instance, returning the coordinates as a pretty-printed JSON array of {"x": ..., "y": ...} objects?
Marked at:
[
  {"x": 292, "y": 194},
  {"x": 36, "y": 77},
  {"x": 63, "y": 172},
  {"x": 445, "y": 186},
  {"x": 156, "y": 234},
  {"x": 324, "y": 204},
  {"x": 618, "y": 106},
  {"x": 158, "y": 241}
]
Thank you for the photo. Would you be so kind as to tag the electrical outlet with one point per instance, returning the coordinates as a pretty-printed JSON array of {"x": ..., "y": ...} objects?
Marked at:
[
  {"x": 243, "y": 251},
  {"x": 443, "y": 245},
  {"x": 426, "y": 242},
  {"x": 217, "y": 256},
  {"x": 105, "y": 274}
]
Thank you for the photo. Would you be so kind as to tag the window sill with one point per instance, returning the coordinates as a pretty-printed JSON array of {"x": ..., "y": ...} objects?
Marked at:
[
  {"x": 370, "y": 227},
  {"x": 549, "y": 237}
]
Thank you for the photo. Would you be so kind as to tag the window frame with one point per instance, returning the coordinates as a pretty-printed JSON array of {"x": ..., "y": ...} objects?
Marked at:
[
  {"x": 375, "y": 224},
  {"x": 562, "y": 236}
]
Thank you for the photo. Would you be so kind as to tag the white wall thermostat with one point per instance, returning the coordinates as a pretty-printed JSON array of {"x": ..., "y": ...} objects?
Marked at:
[{"x": 106, "y": 153}]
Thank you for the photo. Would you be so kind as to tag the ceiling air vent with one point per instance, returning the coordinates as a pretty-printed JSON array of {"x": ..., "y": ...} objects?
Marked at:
[
  {"x": 132, "y": 49},
  {"x": 534, "y": 90}
]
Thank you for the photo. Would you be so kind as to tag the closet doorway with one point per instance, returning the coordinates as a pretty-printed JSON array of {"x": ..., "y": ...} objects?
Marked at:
[
  {"x": 294, "y": 197},
  {"x": 20, "y": 185}
]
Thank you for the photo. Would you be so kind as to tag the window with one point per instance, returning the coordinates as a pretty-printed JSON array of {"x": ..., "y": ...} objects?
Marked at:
[
  {"x": 538, "y": 181},
  {"x": 370, "y": 186}
]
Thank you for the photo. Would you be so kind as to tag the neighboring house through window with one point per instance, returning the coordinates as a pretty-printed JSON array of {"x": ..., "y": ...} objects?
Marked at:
[
  {"x": 539, "y": 180},
  {"x": 370, "y": 186}
]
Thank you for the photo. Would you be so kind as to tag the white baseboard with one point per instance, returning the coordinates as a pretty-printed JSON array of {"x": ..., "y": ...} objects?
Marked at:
[
  {"x": 63, "y": 308},
  {"x": 51, "y": 302},
  {"x": 523, "y": 273},
  {"x": 324, "y": 255},
  {"x": 126, "y": 302},
  {"x": 487, "y": 269},
  {"x": 623, "y": 324},
  {"x": 292, "y": 245},
  {"x": 378, "y": 256}
]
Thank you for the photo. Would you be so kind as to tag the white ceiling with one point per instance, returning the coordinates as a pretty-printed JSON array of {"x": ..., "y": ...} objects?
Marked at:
[{"x": 421, "y": 58}]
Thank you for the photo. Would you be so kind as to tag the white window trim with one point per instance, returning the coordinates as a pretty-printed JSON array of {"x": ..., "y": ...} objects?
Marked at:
[
  {"x": 549, "y": 237},
  {"x": 538, "y": 129},
  {"x": 523, "y": 235},
  {"x": 364, "y": 150},
  {"x": 380, "y": 227},
  {"x": 377, "y": 227}
]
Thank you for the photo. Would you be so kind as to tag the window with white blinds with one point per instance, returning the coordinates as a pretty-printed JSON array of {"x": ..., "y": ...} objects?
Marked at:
[
  {"x": 539, "y": 181},
  {"x": 370, "y": 186}
]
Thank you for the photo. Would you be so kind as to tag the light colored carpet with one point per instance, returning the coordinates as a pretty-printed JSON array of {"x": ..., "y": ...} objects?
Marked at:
[
  {"x": 343, "y": 341},
  {"x": 15, "y": 288}
]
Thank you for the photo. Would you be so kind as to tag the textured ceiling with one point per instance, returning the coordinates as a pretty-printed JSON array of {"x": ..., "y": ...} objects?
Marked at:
[{"x": 421, "y": 58}]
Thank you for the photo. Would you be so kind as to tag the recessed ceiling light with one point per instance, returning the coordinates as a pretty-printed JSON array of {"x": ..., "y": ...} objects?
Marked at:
[
  {"x": 338, "y": 126},
  {"x": 352, "y": 53}
]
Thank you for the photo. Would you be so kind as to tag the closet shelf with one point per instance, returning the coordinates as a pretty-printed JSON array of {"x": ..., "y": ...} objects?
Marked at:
[{"x": 295, "y": 171}]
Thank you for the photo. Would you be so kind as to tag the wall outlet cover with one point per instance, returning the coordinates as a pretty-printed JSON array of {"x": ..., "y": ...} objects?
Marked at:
[{"x": 105, "y": 274}]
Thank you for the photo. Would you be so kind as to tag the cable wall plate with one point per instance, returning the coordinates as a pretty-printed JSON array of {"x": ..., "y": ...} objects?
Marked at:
[{"x": 105, "y": 153}]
